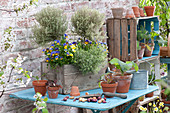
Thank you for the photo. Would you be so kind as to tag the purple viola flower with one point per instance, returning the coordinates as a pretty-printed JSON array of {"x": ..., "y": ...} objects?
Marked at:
[{"x": 64, "y": 44}]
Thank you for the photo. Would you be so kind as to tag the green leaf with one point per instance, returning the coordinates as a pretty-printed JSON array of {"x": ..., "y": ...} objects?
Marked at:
[
  {"x": 34, "y": 110},
  {"x": 166, "y": 109},
  {"x": 148, "y": 47},
  {"x": 45, "y": 99},
  {"x": 1, "y": 73},
  {"x": 27, "y": 75},
  {"x": 43, "y": 104},
  {"x": 44, "y": 110},
  {"x": 37, "y": 77}
]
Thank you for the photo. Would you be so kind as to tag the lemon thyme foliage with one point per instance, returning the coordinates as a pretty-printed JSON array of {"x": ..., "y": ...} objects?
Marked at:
[
  {"x": 60, "y": 52},
  {"x": 90, "y": 55},
  {"x": 154, "y": 107},
  {"x": 52, "y": 25}
]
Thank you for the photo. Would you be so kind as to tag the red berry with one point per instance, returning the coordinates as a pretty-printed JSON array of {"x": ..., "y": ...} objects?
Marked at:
[
  {"x": 67, "y": 97},
  {"x": 88, "y": 100},
  {"x": 99, "y": 98},
  {"x": 104, "y": 98},
  {"x": 104, "y": 101}
]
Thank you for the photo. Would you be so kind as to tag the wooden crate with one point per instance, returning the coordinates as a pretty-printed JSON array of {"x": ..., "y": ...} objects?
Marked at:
[
  {"x": 69, "y": 75},
  {"x": 122, "y": 35}
]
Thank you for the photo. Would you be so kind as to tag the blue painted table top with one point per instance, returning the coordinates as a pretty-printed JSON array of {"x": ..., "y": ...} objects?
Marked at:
[{"x": 111, "y": 102}]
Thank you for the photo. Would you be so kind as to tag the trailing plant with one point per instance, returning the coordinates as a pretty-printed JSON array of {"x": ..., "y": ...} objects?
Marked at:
[
  {"x": 163, "y": 11},
  {"x": 106, "y": 77},
  {"x": 87, "y": 23},
  {"x": 123, "y": 66},
  {"x": 52, "y": 25},
  {"x": 60, "y": 52},
  {"x": 90, "y": 55}
]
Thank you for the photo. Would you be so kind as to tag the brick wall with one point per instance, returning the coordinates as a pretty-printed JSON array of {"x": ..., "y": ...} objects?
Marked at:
[{"x": 22, "y": 24}]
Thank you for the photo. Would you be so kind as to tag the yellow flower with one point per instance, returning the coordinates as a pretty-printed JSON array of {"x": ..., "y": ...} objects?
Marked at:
[
  {"x": 154, "y": 105},
  {"x": 56, "y": 54},
  {"x": 86, "y": 42},
  {"x": 73, "y": 50},
  {"x": 157, "y": 100},
  {"x": 157, "y": 97},
  {"x": 47, "y": 51},
  {"x": 144, "y": 109},
  {"x": 161, "y": 104},
  {"x": 156, "y": 109},
  {"x": 140, "y": 107},
  {"x": 73, "y": 46},
  {"x": 58, "y": 43},
  {"x": 48, "y": 54},
  {"x": 52, "y": 47},
  {"x": 65, "y": 47},
  {"x": 50, "y": 50},
  {"x": 160, "y": 110},
  {"x": 150, "y": 104},
  {"x": 66, "y": 36},
  {"x": 71, "y": 54},
  {"x": 46, "y": 60}
]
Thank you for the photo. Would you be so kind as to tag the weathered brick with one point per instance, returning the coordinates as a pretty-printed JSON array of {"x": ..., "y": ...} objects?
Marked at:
[
  {"x": 7, "y": 22},
  {"x": 25, "y": 22}
]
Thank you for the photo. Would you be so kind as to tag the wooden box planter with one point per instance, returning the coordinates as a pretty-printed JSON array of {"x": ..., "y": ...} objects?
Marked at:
[
  {"x": 122, "y": 40},
  {"x": 69, "y": 75}
]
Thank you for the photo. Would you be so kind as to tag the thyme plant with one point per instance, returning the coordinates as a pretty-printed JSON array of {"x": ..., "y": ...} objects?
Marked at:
[{"x": 52, "y": 25}]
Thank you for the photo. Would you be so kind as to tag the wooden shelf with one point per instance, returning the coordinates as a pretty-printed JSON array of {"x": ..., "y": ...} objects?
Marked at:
[
  {"x": 144, "y": 59},
  {"x": 147, "y": 100}
]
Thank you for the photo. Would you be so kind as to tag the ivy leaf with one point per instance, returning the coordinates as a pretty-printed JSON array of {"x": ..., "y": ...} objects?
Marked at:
[
  {"x": 44, "y": 110},
  {"x": 45, "y": 99},
  {"x": 34, "y": 110},
  {"x": 43, "y": 104},
  {"x": 1, "y": 73}
]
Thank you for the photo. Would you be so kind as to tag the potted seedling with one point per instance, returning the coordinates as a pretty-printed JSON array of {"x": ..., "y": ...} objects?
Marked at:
[
  {"x": 141, "y": 35},
  {"x": 149, "y": 40},
  {"x": 39, "y": 85},
  {"x": 53, "y": 88},
  {"x": 107, "y": 83},
  {"x": 123, "y": 78}
]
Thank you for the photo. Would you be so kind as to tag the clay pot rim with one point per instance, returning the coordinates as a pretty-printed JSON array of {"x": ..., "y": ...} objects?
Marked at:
[
  {"x": 148, "y": 7},
  {"x": 105, "y": 84},
  {"x": 39, "y": 82},
  {"x": 125, "y": 74},
  {"x": 53, "y": 88}
]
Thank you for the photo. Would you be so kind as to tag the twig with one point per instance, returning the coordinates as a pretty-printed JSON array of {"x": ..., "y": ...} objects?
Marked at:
[
  {"x": 10, "y": 74},
  {"x": 2, "y": 93},
  {"x": 7, "y": 10}
]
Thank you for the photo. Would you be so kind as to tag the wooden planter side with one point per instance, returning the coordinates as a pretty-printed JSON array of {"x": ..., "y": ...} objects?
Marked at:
[
  {"x": 69, "y": 75},
  {"x": 122, "y": 42}
]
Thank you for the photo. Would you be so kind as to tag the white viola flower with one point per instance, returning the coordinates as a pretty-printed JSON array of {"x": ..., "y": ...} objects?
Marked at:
[
  {"x": 39, "y": 95},
  {"x": 35, "y": 96},
  {"x": 30, "y": 74},
  {"x": 28, "y": 81},
  {"x": 20, "y": 71}
]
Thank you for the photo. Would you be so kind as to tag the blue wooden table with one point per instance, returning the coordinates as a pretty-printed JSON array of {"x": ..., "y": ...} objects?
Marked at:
[{"x": 132, "y": 96}]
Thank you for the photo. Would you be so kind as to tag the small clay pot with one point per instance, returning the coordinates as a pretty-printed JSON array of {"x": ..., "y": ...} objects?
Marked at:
[
  {"x": 163, "y": 51},
  {"x": 123, "y": 82},
  {"x": 141, "y": 12},
  {"x": 148, "y": 53},
  {"x": 149, "y": 10},
  {"x": 129, "y": 14},
  {"x": 149, "y": 94},
  {"x": 53, "y": 92},
  {"x": 136, "y": 11},
  {"x": 141, "y": 51},
  {"x": 40, "y": 86},
  {"x": 74, "y": 91},
  {"x": 109, "y": 88},
  {"x": 117, "y": 13}
]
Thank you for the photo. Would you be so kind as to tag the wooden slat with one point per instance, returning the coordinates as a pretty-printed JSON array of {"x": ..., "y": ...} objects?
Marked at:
[
  {"x": 124, "y": 27},
  {"x": 116, "y": 35},
  {"x": 110, "y": 35},
  {"x": 133, "y": 38}
]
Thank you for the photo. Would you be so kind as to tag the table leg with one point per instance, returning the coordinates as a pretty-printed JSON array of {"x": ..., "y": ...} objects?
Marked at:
[
  {"x": 168, "y": 65},
  {"x": 95, "y": 111},
  {"x": 130, "y": 104}
]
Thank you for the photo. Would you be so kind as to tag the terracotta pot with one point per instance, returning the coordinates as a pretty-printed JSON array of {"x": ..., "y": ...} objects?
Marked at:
[
  {"x": 148, "y": 53},
  {"x": 53, "y": 92},
  {"x": 39, "y": 86},
  {"x": 129, "y": 14},
  {"x": 141, "y": 12},
  {"x": 136, "y": 11},
  {"x": 141, "y": 52},
  {"x": 149, "y": 94},
  {"x": 163, "y": 51},
  {"x": 109, "y": 88},
  {"x": 165, "y": 101},
  {"x": 74, "y": 91},
  {"x": 117, "y": 13},
  {"x": 123, "y": 83},
  {"x": 149, "y": 10},
  {"x": 142, "y": 98}
]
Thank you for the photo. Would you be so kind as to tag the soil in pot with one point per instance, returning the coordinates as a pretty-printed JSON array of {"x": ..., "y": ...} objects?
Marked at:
[
  {"x": 109, "y": 88},
  {"x": 149, "y": 10},
  {"x": 147, "y": 52},
  {"x": 40, "y": 86},
  {"x": 141, "y": 12},
  {"x": 123, "y": 82},
  {"x": 53, "y": 92},
  {"x": 136, "y": 11},
  {"x": 141, "y": 51},
  {"x": 149, "y": 94},
  {"x": 117, "y": 13}
]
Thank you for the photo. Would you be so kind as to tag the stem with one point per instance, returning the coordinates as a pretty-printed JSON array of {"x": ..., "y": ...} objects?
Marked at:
[
  {"x": 7, "y": 10},
  {"x": 10, "y": 74},
  {"x": 2, "y": 93}
]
